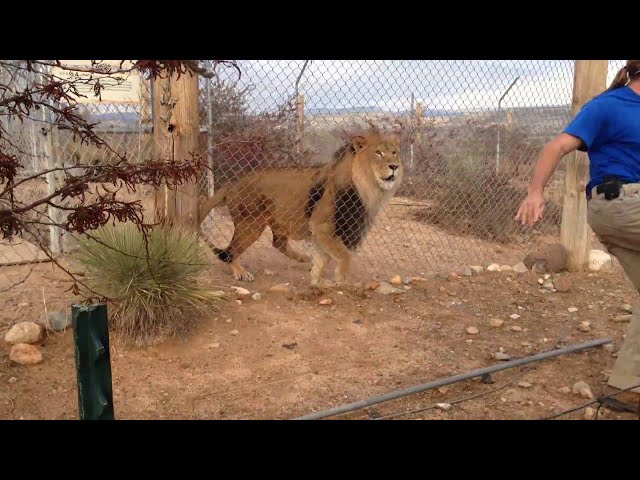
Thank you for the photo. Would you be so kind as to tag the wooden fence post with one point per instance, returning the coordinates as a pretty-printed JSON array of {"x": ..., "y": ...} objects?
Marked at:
[
  {"x": 176, "y": 122},
  {"x": 589, "y": 80}
]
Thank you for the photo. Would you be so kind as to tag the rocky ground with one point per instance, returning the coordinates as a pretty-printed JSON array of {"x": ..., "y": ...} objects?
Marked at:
[{"x": 278, "y": 350}]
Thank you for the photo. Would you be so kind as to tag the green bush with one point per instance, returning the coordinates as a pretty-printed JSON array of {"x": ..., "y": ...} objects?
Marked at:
[{"x": 154, "y": 296}]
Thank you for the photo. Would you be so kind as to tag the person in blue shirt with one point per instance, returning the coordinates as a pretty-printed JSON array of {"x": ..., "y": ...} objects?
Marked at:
[{"x": 608, "y": 129}]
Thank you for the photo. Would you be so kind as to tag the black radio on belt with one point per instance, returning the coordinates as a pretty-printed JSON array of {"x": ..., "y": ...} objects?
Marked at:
[{"x": 610, "y": 187}]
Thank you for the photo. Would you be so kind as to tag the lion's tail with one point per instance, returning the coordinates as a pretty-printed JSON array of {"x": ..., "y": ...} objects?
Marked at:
[
  {"x": 210, "y": 203},
  {"x": 218, "y": 198}
]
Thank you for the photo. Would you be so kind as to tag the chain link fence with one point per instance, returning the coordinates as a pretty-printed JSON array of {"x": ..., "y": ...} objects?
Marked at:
[{"x": 470, "y": 135}]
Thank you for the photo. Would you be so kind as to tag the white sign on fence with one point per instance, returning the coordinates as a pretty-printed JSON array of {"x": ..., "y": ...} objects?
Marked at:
[{"x": 129, "y": 90}]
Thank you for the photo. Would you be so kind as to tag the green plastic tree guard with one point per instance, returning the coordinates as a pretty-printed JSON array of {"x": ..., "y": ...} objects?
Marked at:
[{"x": 93, "y": 361}]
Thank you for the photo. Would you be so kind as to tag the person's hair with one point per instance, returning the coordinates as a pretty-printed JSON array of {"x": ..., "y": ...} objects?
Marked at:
[{"x": 629, "y": 72}]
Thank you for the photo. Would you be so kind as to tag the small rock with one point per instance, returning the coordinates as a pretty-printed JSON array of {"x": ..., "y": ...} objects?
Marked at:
[
  {"x": 290, "y": 346},
  {"x": 13, "y": 380},
  {"x": 599, "y": 261},
  {"x": 582, "y": 389},
  {"x": 525, "y": 384},
  {"x": 234, "y": 332},
  {"x": 589, "y": 413},
  {"x": 326, "y": 301},
  {"x": 495, "y": 322},
  {"x": 59, "y": 321},
  {"x": 564, "y": 390},
  {"x": 516, "y": 328},
  {"x": 520, "y": 268},
  {"x": 548, "y": 285},
  {"x": 256, "y": 296},
  {"x": 23, "y": 304},
  {"x": 506, "y": 268},
  {"x": 470, "y": 341},
  {"x": 625, "y": 307},
  {"x": 514, "y": 316},
  {"x": 572, "y": 309},
  {"x": 269, "y": 272},
  {"x": 541, "y": 281},
  {"x": 238, "y": 302},
  {"x": 25, "y": 354},
  {"x": 472, "y": 330},
  {"x": 452, "y": 276},
  {"x": 540, "y": 267},
  {"x": 443, "y": 406},
  {"x": 562, "y": 284},
  {"x": 494, "y": 267},
  {"x": 23, "y": 332},
  {"x": 608, "y": 346},
  {"x": 466, "y": 272},
  {"x": 243, "y": 292},
  {"x": 476, "y": 269},
  {"x": 387, "y": 289},
  {"x": 584, "y": 326},
  {"x": 280, "y": 288},
  {"x": 228, "y": 320},
  {"x": 395, "y": 280},
  {"x": 372, "y": 285},
  {"x": 621, "y": 318},
  {"x": 550, "y": 258},
  {"x": 503, "y": 357},
  {"x": 215, "y": 345},
  {"x": 417, "y": 279}
]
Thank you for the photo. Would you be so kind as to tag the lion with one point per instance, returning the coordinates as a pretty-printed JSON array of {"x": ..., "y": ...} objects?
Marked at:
[{"x": 332, "y": 205}]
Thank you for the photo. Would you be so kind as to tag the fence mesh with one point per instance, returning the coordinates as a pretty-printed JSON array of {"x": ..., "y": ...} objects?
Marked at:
[{"x": 470, "y": 134}]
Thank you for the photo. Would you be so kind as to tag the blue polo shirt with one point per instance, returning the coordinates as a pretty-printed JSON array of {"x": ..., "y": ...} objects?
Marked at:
[{"x": 609, "y": 127}]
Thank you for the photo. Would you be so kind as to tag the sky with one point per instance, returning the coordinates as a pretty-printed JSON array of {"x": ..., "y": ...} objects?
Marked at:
[{"x": 450, "y": 85}]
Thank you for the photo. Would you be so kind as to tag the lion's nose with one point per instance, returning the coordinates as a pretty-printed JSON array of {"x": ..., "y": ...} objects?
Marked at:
[{"x": 393, "y": 167}]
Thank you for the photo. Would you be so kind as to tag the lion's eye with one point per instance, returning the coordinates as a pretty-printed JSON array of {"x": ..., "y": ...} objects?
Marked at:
[
  {"x": 395, "y": 154},
  {"x": 379, "y": 153}
]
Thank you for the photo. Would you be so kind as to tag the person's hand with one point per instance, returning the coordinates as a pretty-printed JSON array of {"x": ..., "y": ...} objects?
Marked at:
[{"x": 531, "y": 209}]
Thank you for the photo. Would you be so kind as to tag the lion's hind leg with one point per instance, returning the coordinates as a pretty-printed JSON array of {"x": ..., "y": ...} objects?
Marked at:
[{"x": 245, "y": 233}]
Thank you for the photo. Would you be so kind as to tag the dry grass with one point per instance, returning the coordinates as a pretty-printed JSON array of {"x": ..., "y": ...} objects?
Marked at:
[{"x": 154, "y": 287}]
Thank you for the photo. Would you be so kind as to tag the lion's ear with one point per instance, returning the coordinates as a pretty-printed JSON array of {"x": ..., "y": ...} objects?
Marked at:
[{"x": 359, "y": 143}]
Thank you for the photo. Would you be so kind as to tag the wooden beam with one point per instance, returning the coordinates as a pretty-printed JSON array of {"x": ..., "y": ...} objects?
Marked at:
[
  {"x": 589, "y": 80},
  {"x": 176, "y": 123}
]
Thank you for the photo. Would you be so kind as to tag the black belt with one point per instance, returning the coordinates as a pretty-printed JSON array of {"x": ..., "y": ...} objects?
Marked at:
[{"x": 610, "y": 187}]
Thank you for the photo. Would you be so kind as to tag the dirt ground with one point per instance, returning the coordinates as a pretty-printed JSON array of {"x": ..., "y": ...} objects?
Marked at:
[{"x": 286, "y": 355}]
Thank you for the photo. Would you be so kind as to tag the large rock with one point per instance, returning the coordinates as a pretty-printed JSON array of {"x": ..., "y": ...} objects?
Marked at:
[
  {"x": 552, "y": 258},
  {"x": 599, "y": 261},
  {"x": 25, "y": 354},
  {"x": 23, "y": 332}
]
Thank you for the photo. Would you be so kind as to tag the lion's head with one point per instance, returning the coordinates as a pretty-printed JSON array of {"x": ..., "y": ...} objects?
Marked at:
[{"x": 379, "y": 156}]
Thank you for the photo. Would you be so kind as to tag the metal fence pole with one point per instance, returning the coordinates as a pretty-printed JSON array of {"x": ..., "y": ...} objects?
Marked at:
[{"x": 93, "y": 362}]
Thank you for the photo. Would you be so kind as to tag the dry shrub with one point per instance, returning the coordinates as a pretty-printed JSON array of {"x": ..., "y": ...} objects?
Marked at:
[
  {"x": 154, "y": 296},
  {"x": 473, "y": 199}
]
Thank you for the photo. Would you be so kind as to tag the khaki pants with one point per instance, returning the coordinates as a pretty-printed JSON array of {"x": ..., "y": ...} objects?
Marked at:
[{"x": 617, "y": 224}]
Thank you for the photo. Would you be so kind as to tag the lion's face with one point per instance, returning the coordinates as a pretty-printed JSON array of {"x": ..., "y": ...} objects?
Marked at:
[{"x": 381, "y": 156}]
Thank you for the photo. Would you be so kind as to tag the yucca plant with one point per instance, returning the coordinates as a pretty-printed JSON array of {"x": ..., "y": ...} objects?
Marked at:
[{"x": 153, "y": 285}]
